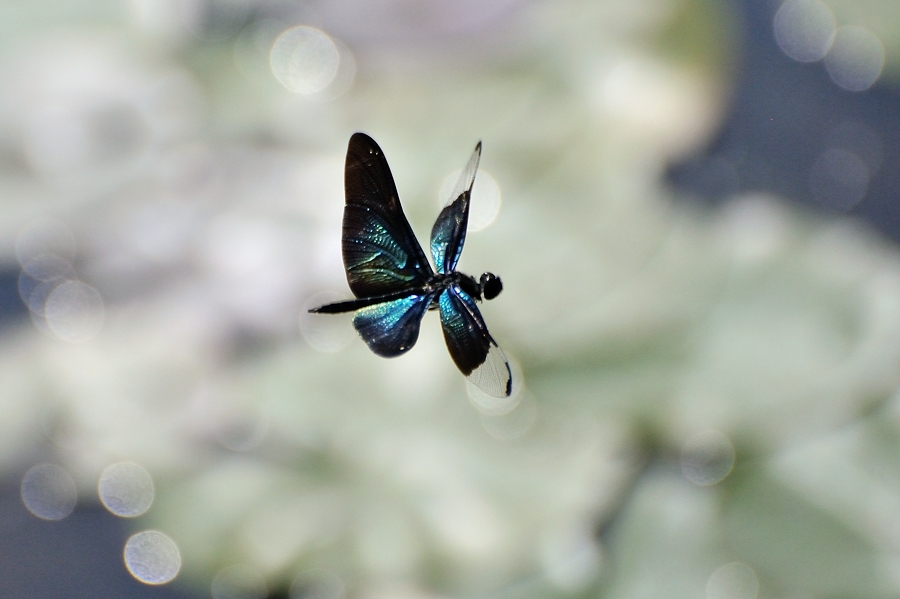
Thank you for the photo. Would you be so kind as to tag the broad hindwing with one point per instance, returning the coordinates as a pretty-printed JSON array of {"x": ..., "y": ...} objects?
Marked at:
[
  {"x": 473, "y": 349},
  {"x": 381, "y": 253},
  {"x": 392, "y": 328},
  {"x": 449, "y": 232}
]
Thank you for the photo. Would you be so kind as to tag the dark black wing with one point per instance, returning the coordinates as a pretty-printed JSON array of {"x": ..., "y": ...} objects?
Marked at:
[
  {"x": 391, "y": 328},
  {"x": 449, "y": 232},
  {"x": 473, "y": 349},
  {"x": 381, "y": 253}
]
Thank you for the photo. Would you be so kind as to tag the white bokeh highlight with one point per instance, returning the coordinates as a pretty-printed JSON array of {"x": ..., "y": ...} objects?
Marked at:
[
  {"x": 804, "y": 29},
  {"x": 736, "y": 580},
  {"x": 707, "y": 458},
  {"x": 839, "y": 179},
  {"x": 317, "y": 584},
  {"x": 328, "y": 333},
  {"x": 571, "y": 558},
  {"x": 74, "y": 312},
  {"x": 48, "y": 492},
  {"x": 152, "y": 557},
  {"x": 856, "y": 58},
  {"x": 513, "y": 424},
  {"x": 240, "y": 581},
  {"x": 305, "y": 60},
  {"x": 126, "y": 489},
  {"x": 42, "y": 238}
]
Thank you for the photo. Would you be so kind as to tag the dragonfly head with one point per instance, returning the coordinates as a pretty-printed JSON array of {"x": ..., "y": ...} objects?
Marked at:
[{"x": 491, "y": 286}]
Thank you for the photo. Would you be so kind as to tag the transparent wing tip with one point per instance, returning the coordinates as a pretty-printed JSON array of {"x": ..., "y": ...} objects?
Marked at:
[
  {"x": 494, "y": 376},
  {"x": 467, "y": 176}
]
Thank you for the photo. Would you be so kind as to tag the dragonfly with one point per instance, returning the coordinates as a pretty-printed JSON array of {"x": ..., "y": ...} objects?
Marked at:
[{"x": 393, "y": 281}]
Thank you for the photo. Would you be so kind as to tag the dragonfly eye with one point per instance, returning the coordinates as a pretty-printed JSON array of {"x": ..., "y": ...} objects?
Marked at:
[{"x": 491, "y": 286}]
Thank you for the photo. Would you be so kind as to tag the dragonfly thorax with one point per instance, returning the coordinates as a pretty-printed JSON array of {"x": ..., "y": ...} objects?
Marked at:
[{"x": 487, "y": 287}]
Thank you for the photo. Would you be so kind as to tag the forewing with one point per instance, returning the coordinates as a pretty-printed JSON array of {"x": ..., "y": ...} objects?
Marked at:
[
  {"x": 392, "y": 328},
  {"x": 473, "y": 349},
  {"x": 381, "y": 253},
  {"x": 449, "y": 232}
]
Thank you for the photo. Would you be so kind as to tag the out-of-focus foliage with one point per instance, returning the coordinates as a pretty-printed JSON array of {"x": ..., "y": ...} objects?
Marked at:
[{"x": 175, "y": 210}]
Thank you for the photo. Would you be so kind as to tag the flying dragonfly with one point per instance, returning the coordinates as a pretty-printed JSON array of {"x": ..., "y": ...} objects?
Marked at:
[{"x": 393, "y": 281}]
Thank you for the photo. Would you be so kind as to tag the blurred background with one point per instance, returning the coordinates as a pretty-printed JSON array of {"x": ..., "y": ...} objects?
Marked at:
[{"x": 692, "y": 205}]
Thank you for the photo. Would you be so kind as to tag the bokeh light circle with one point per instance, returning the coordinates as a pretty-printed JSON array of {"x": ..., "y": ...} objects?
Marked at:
[
  {"x": 152, "y": 557},
  {"x": 34, "y": 292},
  {"x": 239, "y": 581},
  {"x": 304, "y": 59},
  {"x": 485, "y": 202},
  {"x": 47, "y": 267},
  {"x": 49, "y": 492},
  {"x": 707, "y": 457},
  {"x": 856, "y": 58},
  {"x": 839, "y": 179},
  {"x": 45, "y": 237},
  {"x": 74, "y": 312},
  {"x": 328, "y": 333},
  {"x": 733, "y": 581},
  {"x": 861, "y": 139},
  {"x": 571, "y": 559},
  {"x": 513, "y": 424},
  {"x": 804, "y": 29},
  {"x": 126, "y": 489},
  {"x": 317, "y": 584},
  {"x": 242, "y": 430}
]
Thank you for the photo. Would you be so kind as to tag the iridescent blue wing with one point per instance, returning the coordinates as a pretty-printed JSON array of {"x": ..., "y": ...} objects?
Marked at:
[
  {"x": 392, "y": 328},
  {"x": 381, "y": 253},
  {"x": 471, "y": 346},
  {"x": 449, "y": 232}
]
